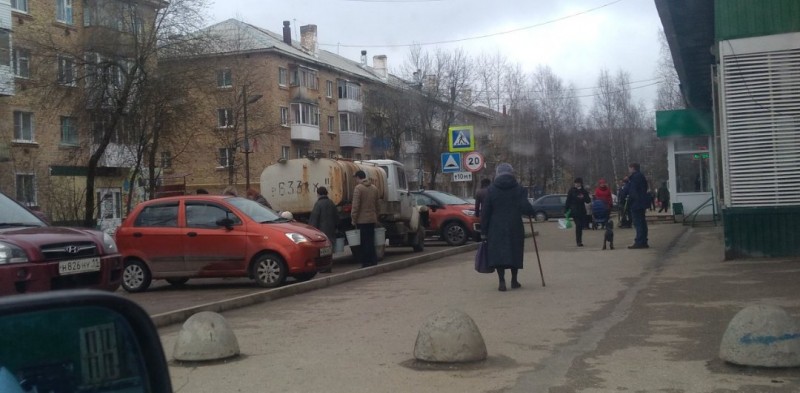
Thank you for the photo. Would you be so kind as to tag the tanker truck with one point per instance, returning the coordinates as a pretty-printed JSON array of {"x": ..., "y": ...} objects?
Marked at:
[{"x": 291, "y": 185}]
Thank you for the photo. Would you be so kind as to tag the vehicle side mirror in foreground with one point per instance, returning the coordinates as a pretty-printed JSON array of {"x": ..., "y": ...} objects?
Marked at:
[
  {"x": 225, "y": 222},
  {"x": 79, "y": 341}
]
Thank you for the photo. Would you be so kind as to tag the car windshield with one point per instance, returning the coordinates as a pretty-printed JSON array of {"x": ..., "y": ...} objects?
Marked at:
[
  {"x": 256, "y": 211},
  {"x": 13, "y": 215},
  {"x": 446, "y": 199}
]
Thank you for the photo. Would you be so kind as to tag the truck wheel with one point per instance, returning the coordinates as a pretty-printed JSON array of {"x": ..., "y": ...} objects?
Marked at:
[
  {"x": 455, "y": 234},
  {"x": 418, "y": 243},
  {"x": 136, "y": 276},
  {"x": 269, "y": 270}
]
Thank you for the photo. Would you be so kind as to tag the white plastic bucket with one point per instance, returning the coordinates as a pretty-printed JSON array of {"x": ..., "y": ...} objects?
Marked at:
[
  {"x": 338, "y": 245},
  {"x": 354, "y": 237},
  {"x": 380, "y": 236}
]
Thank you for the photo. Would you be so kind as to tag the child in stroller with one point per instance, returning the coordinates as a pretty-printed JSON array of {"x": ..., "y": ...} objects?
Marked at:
[{"x": 600, "y": 213}]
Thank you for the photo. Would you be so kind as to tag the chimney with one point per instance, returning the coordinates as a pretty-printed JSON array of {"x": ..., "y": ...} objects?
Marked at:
[
  {"x": 287, "y": 33},
  {"x": 364, "y": 58},
  {"x": 379, "y": 64},
  {"x": 504, "y": 109},
  {"x": 308, "y": 38}
]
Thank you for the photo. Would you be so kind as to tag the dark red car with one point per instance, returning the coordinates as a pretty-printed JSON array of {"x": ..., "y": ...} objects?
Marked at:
[
  {"x": 203, "y": 236},
  {"x": 35, "y": 256}
]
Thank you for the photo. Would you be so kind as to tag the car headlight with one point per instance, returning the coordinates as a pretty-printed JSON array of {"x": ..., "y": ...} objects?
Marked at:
[
  {"x": 468, "y": 212},
  {"x": 109, "y": 244},
  {"x": 10, "y": 253},
  {"x": 297, "y": 238}
]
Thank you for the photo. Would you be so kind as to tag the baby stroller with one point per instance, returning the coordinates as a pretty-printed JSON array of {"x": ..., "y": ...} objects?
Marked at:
[{"x": 600, "y": 214}]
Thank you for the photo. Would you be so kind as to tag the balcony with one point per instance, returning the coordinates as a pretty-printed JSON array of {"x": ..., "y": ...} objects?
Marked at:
[
  {"x": 350, "y": 105},
  {"x": 351, "y": 139},
  {"x": 305, "y": 132}
]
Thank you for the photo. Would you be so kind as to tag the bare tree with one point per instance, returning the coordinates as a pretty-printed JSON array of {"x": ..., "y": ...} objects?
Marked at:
[{"x": 668, "y": 93}]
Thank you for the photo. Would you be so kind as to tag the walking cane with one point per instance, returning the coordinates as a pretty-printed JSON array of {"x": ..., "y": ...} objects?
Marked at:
[{"x": 536, "y": 246}]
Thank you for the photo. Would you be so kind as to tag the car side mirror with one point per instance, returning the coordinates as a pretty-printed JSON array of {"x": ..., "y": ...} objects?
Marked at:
[
  {"x": 81, "y": 340},
  {"x": 225, "y": 222}
]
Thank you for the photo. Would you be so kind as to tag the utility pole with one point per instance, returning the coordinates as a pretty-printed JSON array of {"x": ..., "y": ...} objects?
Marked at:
[{"x": 247, "y": 100}]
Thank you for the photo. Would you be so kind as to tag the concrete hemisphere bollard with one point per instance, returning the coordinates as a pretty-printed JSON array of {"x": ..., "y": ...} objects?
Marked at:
[
  {"x": 205, "y": 336},
  {"x": 449, "y": 336},
  {"x": 763, "y": 336}
]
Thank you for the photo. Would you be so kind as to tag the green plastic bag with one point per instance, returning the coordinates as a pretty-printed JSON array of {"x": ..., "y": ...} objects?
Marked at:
[{"x": 565, "y": 223}]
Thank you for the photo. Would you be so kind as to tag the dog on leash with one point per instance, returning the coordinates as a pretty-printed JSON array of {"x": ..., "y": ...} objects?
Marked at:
[{"x": 608, "y": 237}]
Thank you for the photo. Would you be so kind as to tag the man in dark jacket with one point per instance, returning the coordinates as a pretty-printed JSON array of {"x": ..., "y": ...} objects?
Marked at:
[
  {"x": 501, "y": 224},
  {"x": 638, "y": 201},
  {"x": 663, "y": 197},
  {"x": 577, "y": 198},
  {"x": 480, "y": 196},
  {"x": 324, "y": 216}
]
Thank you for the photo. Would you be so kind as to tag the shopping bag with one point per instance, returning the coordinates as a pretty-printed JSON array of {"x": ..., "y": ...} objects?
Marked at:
[
  {"x": 565, "y": 223},
  {"x": 482, "y": 259}
]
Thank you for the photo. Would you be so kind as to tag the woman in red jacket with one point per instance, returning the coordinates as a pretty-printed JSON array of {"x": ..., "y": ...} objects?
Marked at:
[{"x": 603, "y": 192}]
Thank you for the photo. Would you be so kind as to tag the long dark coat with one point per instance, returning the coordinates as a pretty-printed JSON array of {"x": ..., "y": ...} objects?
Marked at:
[
  {"x": 638, "y": 191},
  {"x": 324, "y": 217},
  {"x": 501, "y": 222}
]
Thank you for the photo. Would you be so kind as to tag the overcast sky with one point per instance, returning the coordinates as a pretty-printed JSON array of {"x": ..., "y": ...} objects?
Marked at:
[{"x": 576, "y": 38}]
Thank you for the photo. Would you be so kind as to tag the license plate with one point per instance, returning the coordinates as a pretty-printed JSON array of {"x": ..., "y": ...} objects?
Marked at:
[
  {"x": 325, "y": 251},
  {"x": 78, "y": 266}
]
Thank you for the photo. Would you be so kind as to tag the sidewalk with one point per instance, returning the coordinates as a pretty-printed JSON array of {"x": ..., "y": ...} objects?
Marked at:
[{"x": 622, "y": 320}]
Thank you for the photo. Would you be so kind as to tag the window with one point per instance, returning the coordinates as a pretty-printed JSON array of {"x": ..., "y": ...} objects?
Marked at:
[
  {"x": 166, "y": 159},
  {"x": 23, "y": 126},
  {"x": 26, "y": 189},
  {"x": 165, "y": 215},
  {"x": 66, "y": 71},
  {"x": 304, "y": 77},
  {"x": 331, "y": 154},
  {"x": 64, "y": 11},
  {"x": 224, "y": 118},
  {"x": 349, "y": 90},
  {"x": 203, "y": 215},
  {"x": 224, "y": 78},
  {"x": 331, "y": 124},
  {"x": 302, "y": 151},
  {"x": 109, "y": 202},
  {"x": 350, "y": 122},
  {"x": 283, "y": 76},
  {"x": 5, "y": 47},
  {"x": 19, "y": 5},
  {"x": 358, "y": 156},
  {"x": 692, "y": 167},
  {"x": 305, "y": 114},
  {"x": 69, "y": 131},
  {"x": 21, "y": 61},
  {"x": 285, "y": 152},
  {"x": 284, "y": 116},
  {"x": 329, "y": 89},
  {"x": 226, "y": 157}
]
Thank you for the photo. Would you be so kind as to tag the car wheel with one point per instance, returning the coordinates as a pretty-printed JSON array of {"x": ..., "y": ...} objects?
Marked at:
[
  {"x": 541, "y": 216},
  {"x": 136, "y": 276},
  {"x": 455, "y": 234},
  {"x": 269, "y": 270},
  {"x": 305, "y": 276},
  {"x": 178, "y": 281},
  {"x": 418, "y": 244}
]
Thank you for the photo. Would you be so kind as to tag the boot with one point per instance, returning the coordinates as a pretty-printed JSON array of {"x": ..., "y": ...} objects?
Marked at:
[{"x": 502, "y": 286}]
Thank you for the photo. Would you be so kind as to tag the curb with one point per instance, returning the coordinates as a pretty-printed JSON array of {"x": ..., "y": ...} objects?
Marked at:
[{"x": 180, "y": 315}]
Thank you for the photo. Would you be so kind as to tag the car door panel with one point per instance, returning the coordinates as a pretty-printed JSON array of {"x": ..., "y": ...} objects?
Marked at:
[
  {"x": 156, "y": 234},
  {"x": 211, "y": 249}
]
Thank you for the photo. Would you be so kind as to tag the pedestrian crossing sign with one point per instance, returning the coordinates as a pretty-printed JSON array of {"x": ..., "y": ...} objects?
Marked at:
[
  {"x": 461, "y": 138},
  {"x": 451, "y": 162}
]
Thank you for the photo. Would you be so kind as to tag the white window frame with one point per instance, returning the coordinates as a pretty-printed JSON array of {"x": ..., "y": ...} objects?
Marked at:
[
  {"x": 331, "y": 154},
  {"x": 224, "y": 78},
  {"x": 20, "y": 129},
  {"x": 303, "y": 113},
  {"x": 64, "y": 12},
  {"x": 69, "y": 126},
  {"x": 20, "y": 6},
  {"x": 329, "y": 89},
  {"x": 227, "y": 154},
  {"x": 166, "y": 159},
  {"x": 285, "y": 150},
  {"x": 227, "y": 113},
  {"x": 283, "y": 76},
  {"x": 304, "y": 77},
  {"x": 21, "y": 62},
  {"x": 21, "y": 197},
  {"x": 349, "y": 90},
  {"x": 66, "y": 71},
  {"x": 285, "y": 116},
  {"x": 331, "y": 124},
  {"x": 353, "y": 122}
]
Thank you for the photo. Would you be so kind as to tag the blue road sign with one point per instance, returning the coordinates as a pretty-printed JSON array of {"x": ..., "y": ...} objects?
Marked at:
[{"x": 451, "y": 162}]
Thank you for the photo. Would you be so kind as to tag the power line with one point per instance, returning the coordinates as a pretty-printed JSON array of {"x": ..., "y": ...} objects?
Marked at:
[
  {"x": 475, "y": 37},
  {"x": 587, "y": 88}
]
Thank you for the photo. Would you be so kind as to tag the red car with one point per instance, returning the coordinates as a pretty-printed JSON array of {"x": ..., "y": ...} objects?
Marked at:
[
  {"x": 36, "y": 257},
  {"x": 449, "y": 216},
  {"x": 195, "y": 236}
]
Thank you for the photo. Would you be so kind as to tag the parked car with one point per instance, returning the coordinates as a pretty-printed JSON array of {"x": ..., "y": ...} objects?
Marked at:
[
  {"x": 179, "y": 238},
  {"x": 549, "y": 206},
  {"x": 36, "y": 257},
  {"x": 450, "y": 217}
]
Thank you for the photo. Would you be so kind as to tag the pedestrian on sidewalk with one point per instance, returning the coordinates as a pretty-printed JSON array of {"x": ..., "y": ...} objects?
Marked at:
[
  {"x": 624, "y": 203},
  {"x": 577, "y": 198},
  {"x": 480, "y": 197},
  {"x": 638, "y": 201},
  {"x": 364, "y": 214},
  {"x": 254, "y": 195},
  {"x": 603, "y": 193},
  {"x": 501, "y": 224},
  {"x": 663, "y": 197},
  {"x": 324, "y": 216}
]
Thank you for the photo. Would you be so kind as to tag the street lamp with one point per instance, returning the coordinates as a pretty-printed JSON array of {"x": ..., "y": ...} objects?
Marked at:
[{"x": 247, "y": 100}]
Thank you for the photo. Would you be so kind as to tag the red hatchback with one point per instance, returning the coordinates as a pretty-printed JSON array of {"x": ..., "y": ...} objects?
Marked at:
[
  {"x": 206, "y": 236},
  {"x": 37, "y": 257}
]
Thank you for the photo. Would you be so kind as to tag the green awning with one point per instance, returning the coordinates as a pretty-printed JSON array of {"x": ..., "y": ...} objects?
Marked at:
[{"x": 684, "y": 123}]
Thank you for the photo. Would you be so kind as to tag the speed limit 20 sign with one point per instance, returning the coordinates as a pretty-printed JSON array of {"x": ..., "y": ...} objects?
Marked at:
[{"x": 474, "y": 161}]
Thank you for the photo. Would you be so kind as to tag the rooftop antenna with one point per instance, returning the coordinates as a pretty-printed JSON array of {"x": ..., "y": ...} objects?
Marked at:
[{"x": 296, "y": 35}]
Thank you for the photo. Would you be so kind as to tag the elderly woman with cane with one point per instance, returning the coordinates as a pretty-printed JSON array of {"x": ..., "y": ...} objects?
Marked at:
[{"x": 501, "y": 224}]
